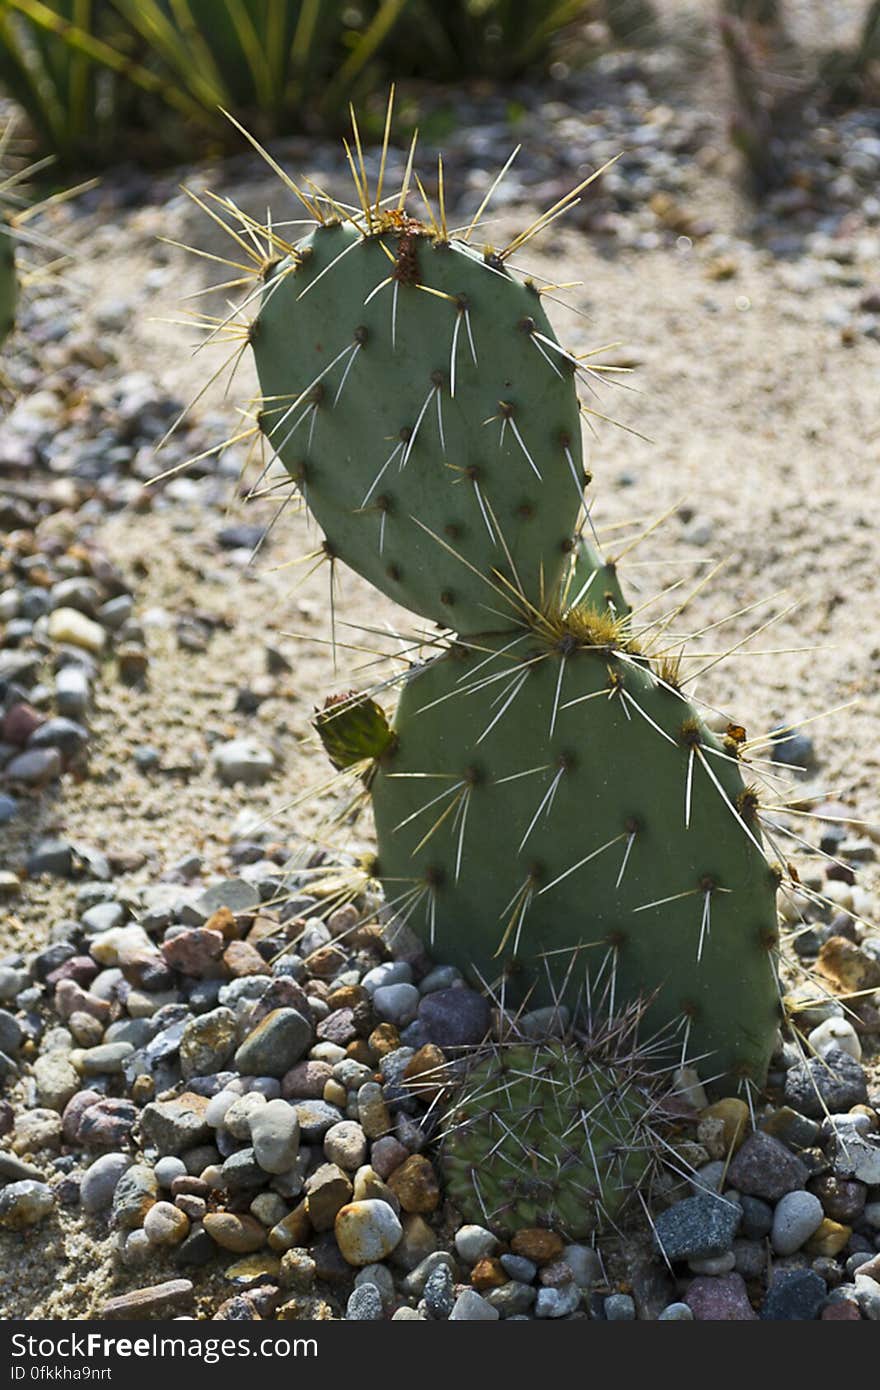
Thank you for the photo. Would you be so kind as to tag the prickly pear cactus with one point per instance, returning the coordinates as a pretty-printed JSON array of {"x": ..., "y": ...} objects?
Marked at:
[
  {"x": 547, "y": 1136},
  {"x": 544, "y": 784}
]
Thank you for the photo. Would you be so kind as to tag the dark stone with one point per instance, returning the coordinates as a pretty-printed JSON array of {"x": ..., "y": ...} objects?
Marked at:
[
  {"x": 454, "y": 1017},
  {"x": 794, "y": 1295},
  {"x": 698, "y": 1228},
  {"x": 831, "y": 1083}
]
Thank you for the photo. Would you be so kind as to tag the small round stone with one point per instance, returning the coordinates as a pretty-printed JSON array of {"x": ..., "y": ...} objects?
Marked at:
[
  {"x": 364, "y": 1304},
  {"x": 346, "y": 1145},
  {"x": 25, "y": 1204},
  {"x": 797, "y": 1216},
  {"x": 169, "y": 1168},
  {"x": 676, "y": 1312},
  {"x": 367, "y": 1231},
  {"x": 275, "y": 1135},
  {"x": 100, "y": 1181},
  {"x": 475, "y": 1243},
  {"x": 165, "y": 1224},
  {"x": 397, "y": 1003},
  {"x": 619, "y": 1307}
]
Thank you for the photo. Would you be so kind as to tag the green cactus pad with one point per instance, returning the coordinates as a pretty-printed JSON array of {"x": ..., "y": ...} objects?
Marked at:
[
  {"x": 544, "y": 1136},
  {"x": 8, "y": 281},
  {"x": 427, "y": 494},
  {"x": 537, "y": 799}
]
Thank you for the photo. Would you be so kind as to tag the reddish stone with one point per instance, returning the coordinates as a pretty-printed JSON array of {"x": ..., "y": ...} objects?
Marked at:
[
  {"x": 81, "y": 969},
  {"x": 338, "y": 1027},
  {"x": 243, "y": 959},
  {"x": 70, "y": 998},
  {"x": 19, "y": 723},
  {"x": 74, "y": 1111},
  {"x": 537, "y": 1244},
  {"x": 194, "y": 952},
  {"x": 306, "y": 1081},
  {"x": 720, "y": 1299}
]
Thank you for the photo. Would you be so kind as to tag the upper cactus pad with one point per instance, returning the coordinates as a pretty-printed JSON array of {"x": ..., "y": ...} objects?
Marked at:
[{"x": 416, "y": 392}]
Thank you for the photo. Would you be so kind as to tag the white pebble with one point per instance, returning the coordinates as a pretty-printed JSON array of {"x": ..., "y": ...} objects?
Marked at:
[{"x": 836, "y": 1032}]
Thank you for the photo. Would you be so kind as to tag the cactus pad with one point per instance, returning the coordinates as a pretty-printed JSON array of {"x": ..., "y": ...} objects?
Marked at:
[
  {"x": 433, "y": 426},
  {"x": 548, "y": 790}
]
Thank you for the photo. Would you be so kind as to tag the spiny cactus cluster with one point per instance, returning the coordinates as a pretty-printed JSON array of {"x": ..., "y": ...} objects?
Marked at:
[
  {"x": 562, "y": 1133},
  {"x": 545, "y": 783}
]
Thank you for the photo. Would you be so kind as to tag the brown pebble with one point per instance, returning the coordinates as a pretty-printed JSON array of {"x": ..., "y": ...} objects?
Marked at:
[
  {"x": 293, "y": 1231},
  {"x": 157, "y": 1298},
  {"x": 326, "y": 962},
  {"x": 537, "y": 1245},
  {"x": 224, "y": 922},
  {"x": 415, "y": 1185},
  {"x": 488, "y": 1274},
  {"x": 384, "y": 1039},
  {"x": 347, "y": 996},
  {"x": 424, "y": 1071},
  {"x": 241, "y": 959},
  {"x": 238, "y": 1233},
  {"x": 360, "y": 1051}
]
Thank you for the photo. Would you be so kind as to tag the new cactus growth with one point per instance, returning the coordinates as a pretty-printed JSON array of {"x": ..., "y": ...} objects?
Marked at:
[
  {"x": 545, "y": 782},
  {"x": 546, "y": 1136}
]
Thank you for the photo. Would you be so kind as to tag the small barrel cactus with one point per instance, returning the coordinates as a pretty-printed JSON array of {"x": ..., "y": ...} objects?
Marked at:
[{"x": 558, "y": 1134}]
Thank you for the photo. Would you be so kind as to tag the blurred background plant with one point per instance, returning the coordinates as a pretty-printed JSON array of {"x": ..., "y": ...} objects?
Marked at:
[
  {"x": 86, "y": 70},
  {"x": 104, "y": 80}
]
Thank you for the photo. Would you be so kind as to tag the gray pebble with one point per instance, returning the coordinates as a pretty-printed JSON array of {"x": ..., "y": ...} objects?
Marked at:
[
  {"x": 101, "y": 1179},
  {"x": 470, "y": 1307}
]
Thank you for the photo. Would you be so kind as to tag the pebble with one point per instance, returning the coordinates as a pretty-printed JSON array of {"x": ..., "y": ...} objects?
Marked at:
[
  {"x": 618, "y": 1307},
  {"x": 70, "y": 626},
  {"x": 471, "y": 1307},
  {"x": 397, "y": 1003},
  {"x": 794, "y": 1295},
  {"x": 438, "y": 1291},
  {"x": 720, "y": 1299},
  {"x": 857, "y": 1157},
  {"x": 166, "y": 1224},
  {"x": 698, "y": 1228},
  {"x": 832, "y": 1083},
  {"x": 367, "y": 1231},
  {"x": 134, "y": 1194},
  {"x": 172, "y": 1296},
  {"x": 275, "y": 1134},
  {"x": 243, "y": 760},
  {"x": 24, "y": 1204},
  {"x": 676, "y": 1312},
  {"x": 364, "y": 1304},
  {"x": 562, "y": 1302},
  {"x": 345, "y": 1143},
  {"x": 454, "y": 1017},
  {"x": 275, "y": 1045},
  {"x": 835, "y": 1033},
  {"x": 797, "y": 1216},
  {"x": 168, "y": 1169},
  {"x": 763, "y": 1167},
  {"x": 241, "y": 1234},
  {"x": 101, "y": 1179}
]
